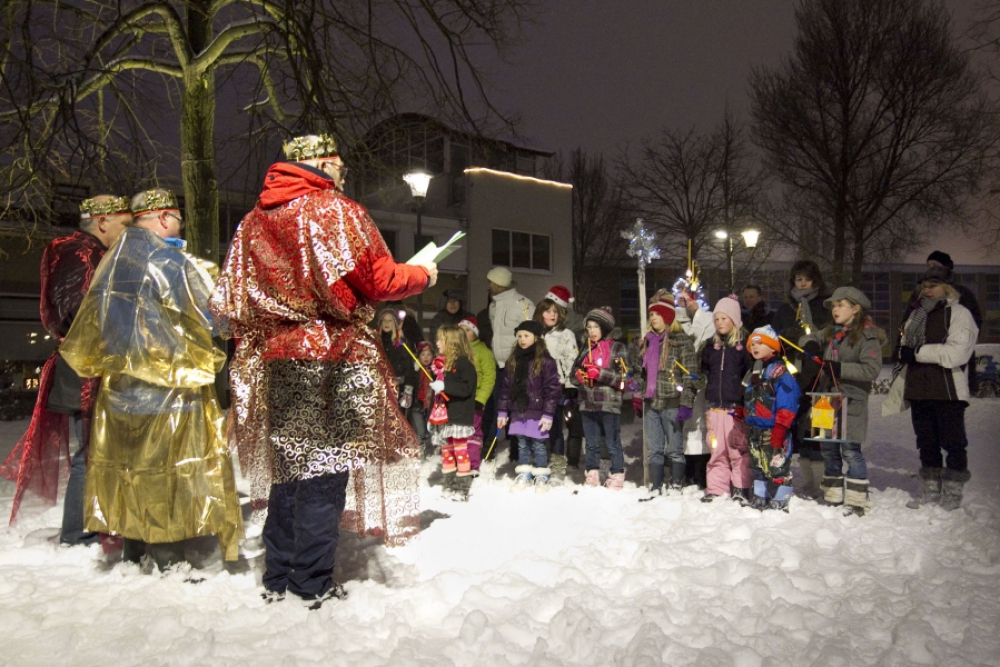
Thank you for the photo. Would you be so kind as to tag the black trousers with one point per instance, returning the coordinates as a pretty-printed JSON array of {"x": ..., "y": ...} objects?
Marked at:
[
  {"x": 940, "y": 427},
  {"x": 301, "y": 534}
]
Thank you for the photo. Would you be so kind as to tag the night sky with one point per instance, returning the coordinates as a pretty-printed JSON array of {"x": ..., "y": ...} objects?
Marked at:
[{"x": 598, "y": 74}]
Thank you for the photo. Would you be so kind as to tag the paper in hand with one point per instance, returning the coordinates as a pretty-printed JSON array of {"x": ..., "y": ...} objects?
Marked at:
[{"x": 433, "y": 253}]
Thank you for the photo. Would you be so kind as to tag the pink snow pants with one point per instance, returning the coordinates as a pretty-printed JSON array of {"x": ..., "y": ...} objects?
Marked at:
[{"x": 730, "y": 458}]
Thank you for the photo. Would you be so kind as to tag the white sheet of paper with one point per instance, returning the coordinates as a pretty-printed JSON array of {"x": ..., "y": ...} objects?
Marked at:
[{"x": 435, "y": 253}]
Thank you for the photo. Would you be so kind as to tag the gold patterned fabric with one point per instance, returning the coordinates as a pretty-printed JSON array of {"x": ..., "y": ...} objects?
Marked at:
[
  {"x": 313, "y": 391},
  {"x": 158, "y": 469}
]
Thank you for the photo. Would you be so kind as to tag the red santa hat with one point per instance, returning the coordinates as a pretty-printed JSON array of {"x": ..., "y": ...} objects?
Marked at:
[
  {"x": 469, "y": 322},
  {"x": 560, "y": 296}
]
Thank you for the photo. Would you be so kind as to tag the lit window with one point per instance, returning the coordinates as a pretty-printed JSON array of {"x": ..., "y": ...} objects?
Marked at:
[{"x": 521, "y": 250}]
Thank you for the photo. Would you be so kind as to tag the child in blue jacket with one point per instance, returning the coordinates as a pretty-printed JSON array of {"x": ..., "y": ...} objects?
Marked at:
[{"x": 771, "y": 400}]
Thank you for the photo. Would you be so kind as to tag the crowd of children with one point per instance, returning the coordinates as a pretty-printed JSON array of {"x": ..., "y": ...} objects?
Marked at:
[{"x": 753, "y": 410}]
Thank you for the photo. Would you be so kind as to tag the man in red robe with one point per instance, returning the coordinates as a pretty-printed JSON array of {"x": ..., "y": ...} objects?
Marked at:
[
  {"x": 314, "y": 397},
  {"x": 68, "y": 264}
]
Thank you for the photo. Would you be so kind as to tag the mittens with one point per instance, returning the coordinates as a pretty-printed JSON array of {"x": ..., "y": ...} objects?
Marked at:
[{"x": 684, "y": 413}]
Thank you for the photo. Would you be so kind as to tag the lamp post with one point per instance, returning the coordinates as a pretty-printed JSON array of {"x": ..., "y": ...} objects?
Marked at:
[
  {"x": 419, "y": 182},
  {"x": 750, "y": 237}
]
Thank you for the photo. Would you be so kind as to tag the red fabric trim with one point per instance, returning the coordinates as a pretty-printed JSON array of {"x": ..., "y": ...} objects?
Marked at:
[{"x": 762, "y": 410}]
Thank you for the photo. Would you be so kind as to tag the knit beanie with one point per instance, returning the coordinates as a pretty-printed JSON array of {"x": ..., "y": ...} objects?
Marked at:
[
  {"x": 936, "y": 274},
  {"x": 469, "y": 322},
  {"x": 424, "y": 345},
  {"x": 942, "y": 258},
  {"x": 663, "y": 305},
  {"x": 604, "y": 319},
  {"x": 500, "y": 275},
  {"x": 730, "y": 307},
  {"x": 531, "y": 326},
  {"x": 560, "y": 296},
  {"x": 767, "y": 336}
]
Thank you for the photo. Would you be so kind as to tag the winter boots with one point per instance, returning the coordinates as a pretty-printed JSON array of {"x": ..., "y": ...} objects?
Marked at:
[
  {"x": 523, "y": 479},
  {"x": 741, "y": 496},
  {"x": 616, "y": 481},
  {"x": 655, "y": 489},
  {"x": 448, "y": 464},
  {"x": 952, "y": 482},
  {"x": 593, "y": 478},
  {"x": 930, "y": 489},
  {"x": 812, "y": 473},
  {"x": 557, "y": 464},
  {"x": 780, "y": 500},
  {"x": 677, "y": 473},
  {"x": 540, "y": 477},
  {"x": 833, "y": 490},
  {"x": 856, "y": 497}
]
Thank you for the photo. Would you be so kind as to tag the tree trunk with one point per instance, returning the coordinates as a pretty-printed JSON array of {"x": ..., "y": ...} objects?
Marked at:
[{"x": 201, "y": 190}]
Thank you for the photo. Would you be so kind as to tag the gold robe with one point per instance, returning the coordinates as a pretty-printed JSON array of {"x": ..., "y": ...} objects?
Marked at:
[{"x": 158, "y": 469}]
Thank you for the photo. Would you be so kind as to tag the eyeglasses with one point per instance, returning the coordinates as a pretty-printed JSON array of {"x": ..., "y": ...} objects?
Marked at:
[{"x": 177, "y": 218}]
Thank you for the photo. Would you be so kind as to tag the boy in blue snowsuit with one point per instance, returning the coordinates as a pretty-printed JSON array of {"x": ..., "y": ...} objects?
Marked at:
[{"x": 771, "y": 399}]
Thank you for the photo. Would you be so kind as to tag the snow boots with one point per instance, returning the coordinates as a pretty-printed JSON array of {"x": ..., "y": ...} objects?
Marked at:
[
  {"x": 593, "y": 478},
  {"x": 780, "y": 500},
  {"x": 833, "y": 490},
  {"x": 742, "y": 496},
  {"x": 930, "y": 489},
  {"x": 759, "y": 501},
  {"x": 811, "y": 472},
  {"x": 952, "y": 482},
  {"x": 523, "y": 479},
  {"x": 677, "y": 473},
  {"x": 655, "y": 489},
  {"x": 540, "y": 477},
  {"x": 856, "y": 497},
  {"x": 557, "y": 464},
  {"x": 616, "y": 481}
]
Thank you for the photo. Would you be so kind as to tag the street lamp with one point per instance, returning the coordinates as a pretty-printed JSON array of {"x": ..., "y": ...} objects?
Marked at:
[
  {"x": 419, "y": 182},
  {"x": 750, "y": 238}
]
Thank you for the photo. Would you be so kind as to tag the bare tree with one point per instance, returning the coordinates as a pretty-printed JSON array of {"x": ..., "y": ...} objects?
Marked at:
[
  {"x": 876, "y": 125},
  {"x": 93, "y": 77},
  {"x": 689, "y": 185},
  {"x": 599, "y": 216}
]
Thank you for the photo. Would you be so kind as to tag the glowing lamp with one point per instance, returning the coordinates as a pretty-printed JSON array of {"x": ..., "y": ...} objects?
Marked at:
[
  {"x": 418, "y": 181},
  {"x": 750, "y": 237}
]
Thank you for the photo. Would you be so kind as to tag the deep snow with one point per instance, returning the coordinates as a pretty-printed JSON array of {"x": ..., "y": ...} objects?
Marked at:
[{"x": 572, "y": 577}]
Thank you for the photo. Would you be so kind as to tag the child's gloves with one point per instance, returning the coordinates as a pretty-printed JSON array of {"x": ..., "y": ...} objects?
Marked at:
[
  {"x": 544, "y": 424},
  {"x": 778, "y": 434},
  {"x": 438, "y": 363},
  {"x": 593, "y": 372},
  {"x": 637, "y": 405},
  {"x": 581, "y": 375},
  {"x": 501, "y": 422},
  {"x": 739, "y": 414},
  {"x": 684, "y": 413},
  {"x": 438, "y": 386}
]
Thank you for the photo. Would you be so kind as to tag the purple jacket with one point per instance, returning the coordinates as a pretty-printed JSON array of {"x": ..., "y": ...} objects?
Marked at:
[{"x": 544, "y": 393}]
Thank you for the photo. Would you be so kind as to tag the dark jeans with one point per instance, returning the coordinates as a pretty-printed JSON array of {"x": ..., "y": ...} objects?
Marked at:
[
  {"x": 532, "y": 451},
  {"x": 301, "y": 534},
  {"x": 72, "y": 532},
  {"x": 592, "y": 423},
  {"x": 940, "y": 425}
]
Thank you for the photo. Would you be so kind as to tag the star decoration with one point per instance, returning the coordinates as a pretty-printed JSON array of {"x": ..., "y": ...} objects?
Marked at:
[{"x": 641, "y": 244}]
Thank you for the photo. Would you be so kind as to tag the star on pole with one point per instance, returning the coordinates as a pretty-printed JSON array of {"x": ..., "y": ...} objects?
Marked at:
[{"x": 641, "y": 244}]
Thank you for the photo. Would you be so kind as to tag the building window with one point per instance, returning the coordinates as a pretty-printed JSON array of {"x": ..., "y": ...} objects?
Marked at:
[{"x": 521, "y": 250}]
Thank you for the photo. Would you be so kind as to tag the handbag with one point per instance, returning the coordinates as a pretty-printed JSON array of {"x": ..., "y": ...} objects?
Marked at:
[{"x": 894, "y": 403}]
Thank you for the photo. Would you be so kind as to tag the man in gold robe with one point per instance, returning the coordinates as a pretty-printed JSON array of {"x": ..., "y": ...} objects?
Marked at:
[
  {"x": 314, "y": 397},
  {"x": 159, "y": 471}
]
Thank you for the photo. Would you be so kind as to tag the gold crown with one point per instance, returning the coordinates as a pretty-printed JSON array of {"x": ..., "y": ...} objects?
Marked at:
[
  {"x": 103, "y": 205},
  {"x": 310, "y": 147},
  {"x": 153, "y": 200}
]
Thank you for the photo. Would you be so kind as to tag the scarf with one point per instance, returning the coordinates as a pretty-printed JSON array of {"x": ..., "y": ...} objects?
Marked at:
[
  {"x": 654, "y": 359},
  {"x": 915, "y": 334},
  {"x": 522, "y": 362},
  {"x": 840, "y": 332},
  {"x": 803, "y": 297}
]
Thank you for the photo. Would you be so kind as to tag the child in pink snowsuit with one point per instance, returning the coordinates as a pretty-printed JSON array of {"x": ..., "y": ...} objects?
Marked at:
[{"x": 725, "y": 361}]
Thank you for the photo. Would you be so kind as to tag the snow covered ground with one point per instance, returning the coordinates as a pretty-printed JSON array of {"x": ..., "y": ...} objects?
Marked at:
[{"x": 572, "y": 577}]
